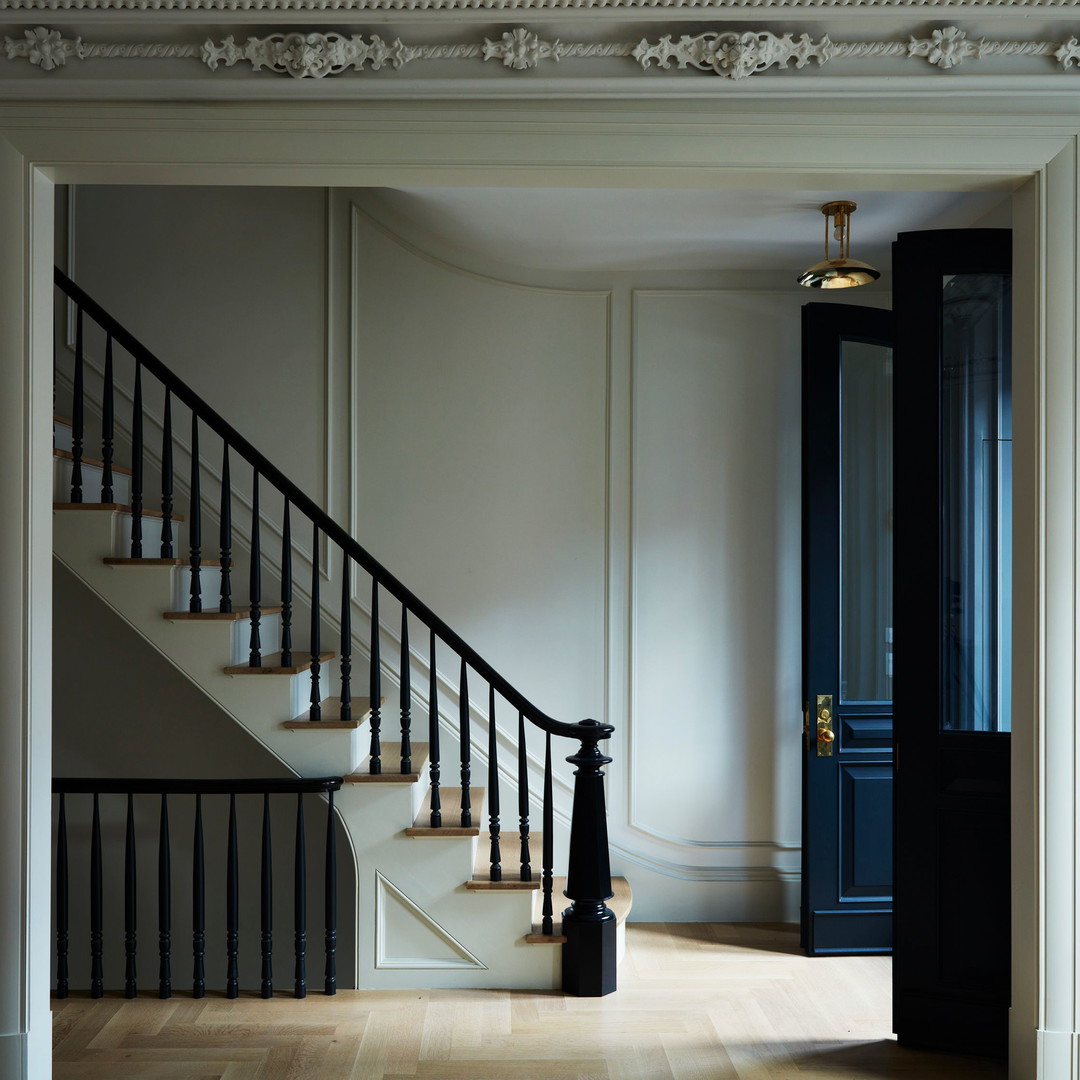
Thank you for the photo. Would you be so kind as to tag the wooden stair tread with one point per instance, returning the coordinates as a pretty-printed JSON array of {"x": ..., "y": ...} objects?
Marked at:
[
  {"x": 391, "y": 764},
  {"x": 450, "y": 805},
  {"x": 620, "y": 903},
  {"x": 217, "y": 616},
  {"x": 271, "y": 664},
  {"x": 66, "y": 421},
  {"x": 510, "y": 849},
  {"x": 119, "y": 508},
  {"x": 67, "y": 455},
  {"x": 330, "y": 716}
]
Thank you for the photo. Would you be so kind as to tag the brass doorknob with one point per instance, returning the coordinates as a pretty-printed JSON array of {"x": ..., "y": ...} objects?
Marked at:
[{"x": 825, "y": 735}]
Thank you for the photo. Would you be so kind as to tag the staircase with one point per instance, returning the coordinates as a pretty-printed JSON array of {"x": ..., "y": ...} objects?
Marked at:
[{"x": 445, "y": 896}]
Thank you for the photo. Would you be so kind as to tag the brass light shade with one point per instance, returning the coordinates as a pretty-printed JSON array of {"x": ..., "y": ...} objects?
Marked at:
[{"x": 843, "y": 272}]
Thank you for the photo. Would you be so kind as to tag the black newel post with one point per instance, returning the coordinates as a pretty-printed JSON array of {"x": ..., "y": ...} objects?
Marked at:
[{"x": 589, "y": 924}]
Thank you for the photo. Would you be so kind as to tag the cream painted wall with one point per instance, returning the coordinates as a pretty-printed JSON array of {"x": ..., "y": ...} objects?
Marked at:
[
  {"x": 481, "y": 459},
  {"x": 239, "y": 305},
  {"x": 715, "y": 582},
  {"x": 593, "y": 477}
]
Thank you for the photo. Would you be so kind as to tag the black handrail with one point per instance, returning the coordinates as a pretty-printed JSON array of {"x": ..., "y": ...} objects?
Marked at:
[
  {"x": 208, "y": 416},
  {"x": 111, "y": 785}
]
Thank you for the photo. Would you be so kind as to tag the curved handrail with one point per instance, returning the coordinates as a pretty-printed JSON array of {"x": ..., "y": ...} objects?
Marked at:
[{"x": 588, "y": 730}]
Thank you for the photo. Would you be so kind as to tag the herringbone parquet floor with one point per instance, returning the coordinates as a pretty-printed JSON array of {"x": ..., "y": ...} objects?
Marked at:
[{"x": 696, "y": 1002}]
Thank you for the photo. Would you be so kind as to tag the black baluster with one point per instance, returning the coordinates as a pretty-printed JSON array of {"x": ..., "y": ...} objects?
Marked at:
[
  {"x": 375, "y": 683},
  {"x": 130, "y": 903},
  {"x": 267, "y": 905},
  {"x": 107, "y": 426},
  {"x": 406, "y": 695},
  {"x": 547, "y": 856},
  {"x": 96, "y": 975},
  {"x": 315, "y": 697},
  {"x": 330, "y": 895},
  {"x": 195, "y": 528},
  {"x": 300, "y": 902},
  {"x": 232, "y": 909},
  {"x": 225, "y": 540},
  {"x": 523, "y": 801},
  {"x": 493, "y": 789},
  {"x": 198, "y": 907},
  {"x": 167, "y": 480},
  {"x": 464, "y": 720},
  {"x": 346, "y": 639},
  {"x": 77, "y": 413},
  {"x": 589, "y": 926},
  {"x": 62, "y": 902},
  {"x": 137, "y": 465},
  {"x": 433, "y": 736},
  {"x": 164, "y": 904},
  {"x": 286, "y": 590},
  {"x": 255, "y": 577}
]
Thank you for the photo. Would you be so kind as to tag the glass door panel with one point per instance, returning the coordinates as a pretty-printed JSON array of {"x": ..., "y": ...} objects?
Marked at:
[
  {"x": 976, "y": 441},
  {"x": 866, "y": 510}
]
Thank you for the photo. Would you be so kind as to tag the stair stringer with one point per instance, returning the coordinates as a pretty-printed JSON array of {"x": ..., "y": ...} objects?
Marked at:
[{"x": 431, "y": 873}]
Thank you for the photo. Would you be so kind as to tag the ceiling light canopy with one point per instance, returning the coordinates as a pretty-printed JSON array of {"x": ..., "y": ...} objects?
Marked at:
[{"x": 843, "y": 272}]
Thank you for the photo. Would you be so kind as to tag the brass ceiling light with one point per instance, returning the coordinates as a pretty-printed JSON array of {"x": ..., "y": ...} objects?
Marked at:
[{"x": 843, "y": 272}]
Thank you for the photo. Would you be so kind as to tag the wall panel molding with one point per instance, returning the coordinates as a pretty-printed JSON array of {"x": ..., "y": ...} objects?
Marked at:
[
  {"x": 637, "y": 762},
  {"x": 401, "y": 927}
]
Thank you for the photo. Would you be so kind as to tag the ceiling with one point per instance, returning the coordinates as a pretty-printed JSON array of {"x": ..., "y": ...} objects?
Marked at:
[{"x": 597, "y": 229}]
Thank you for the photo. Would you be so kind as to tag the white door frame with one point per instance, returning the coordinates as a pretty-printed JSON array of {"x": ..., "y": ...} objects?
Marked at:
[{"x": 894, "y": 145}]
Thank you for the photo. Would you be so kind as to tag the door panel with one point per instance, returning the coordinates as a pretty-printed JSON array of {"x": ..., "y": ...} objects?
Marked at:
[
  {"x": 953, "y": 645},
  {"x": 847, "y": 628}
]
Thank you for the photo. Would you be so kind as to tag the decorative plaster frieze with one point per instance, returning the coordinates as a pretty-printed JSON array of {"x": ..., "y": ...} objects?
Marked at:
[
  {"x": 731, "y": 55},
  {"x": 714, "y": 6},
  {"x": 49, "y": 50}
]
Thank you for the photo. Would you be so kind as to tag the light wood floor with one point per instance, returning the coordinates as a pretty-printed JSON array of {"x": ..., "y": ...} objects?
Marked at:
[{"x": 696, "y": 1002}]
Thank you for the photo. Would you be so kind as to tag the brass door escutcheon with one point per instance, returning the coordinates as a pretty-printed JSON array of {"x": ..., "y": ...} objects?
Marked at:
[{"x": 825, "y": 735}]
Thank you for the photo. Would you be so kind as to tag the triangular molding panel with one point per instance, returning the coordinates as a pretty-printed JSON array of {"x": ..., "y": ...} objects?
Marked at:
[{"x": 407, "y": 937}]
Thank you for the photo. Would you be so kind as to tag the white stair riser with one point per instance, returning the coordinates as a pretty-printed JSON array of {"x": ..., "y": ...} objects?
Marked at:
[
  {"x": 61, "y": 437},
  {"x": 91, "y": 483},
  {"x": 269, "y": 638},
  {"x": 329, "y": 686},
  {"x": 152, "y": 529},
  {"x": 209, "y": 586}
]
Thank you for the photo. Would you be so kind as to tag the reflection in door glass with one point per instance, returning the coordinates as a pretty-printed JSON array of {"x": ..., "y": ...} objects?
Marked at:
[
  {"x": 866, "y": 506},
  {"x": 976, "y": 418}
]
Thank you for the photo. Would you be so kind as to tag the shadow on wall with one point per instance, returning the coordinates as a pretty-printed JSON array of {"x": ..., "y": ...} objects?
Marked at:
[{"x": 120, "y": 709}]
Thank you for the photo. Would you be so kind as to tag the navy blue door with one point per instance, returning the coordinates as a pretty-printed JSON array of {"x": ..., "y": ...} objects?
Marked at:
[
  {"x": 847, "y": 453},
  {"x": 953, "y": 688}
]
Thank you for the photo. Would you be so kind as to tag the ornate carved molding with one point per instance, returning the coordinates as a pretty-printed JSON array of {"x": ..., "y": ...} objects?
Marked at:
[
  {"x": 731, "y": 55},
  {"x": 718, "y": 6}
]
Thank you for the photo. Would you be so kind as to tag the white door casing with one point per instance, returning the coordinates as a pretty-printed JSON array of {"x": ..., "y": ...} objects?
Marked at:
[{"x": 893, "y": 144}]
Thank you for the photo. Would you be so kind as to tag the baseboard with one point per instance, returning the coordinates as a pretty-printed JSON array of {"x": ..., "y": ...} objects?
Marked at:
[{"x": 13, "y": 1054}]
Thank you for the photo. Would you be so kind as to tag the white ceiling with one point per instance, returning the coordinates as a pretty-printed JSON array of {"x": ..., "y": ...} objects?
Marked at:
[{"x": 595, "y": 229}]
